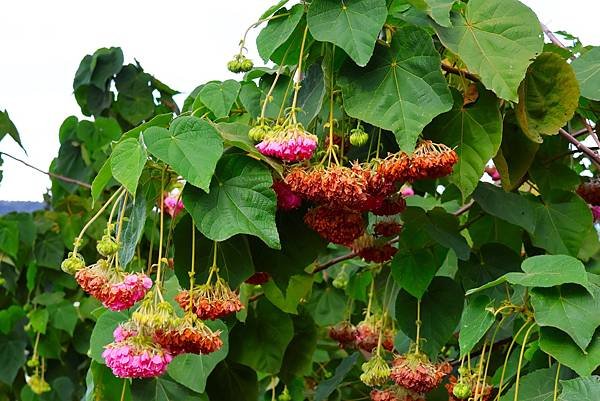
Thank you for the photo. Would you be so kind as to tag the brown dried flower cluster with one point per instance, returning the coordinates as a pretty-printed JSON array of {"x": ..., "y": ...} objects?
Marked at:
[
  {"x": 416, "y": 373},
  {"x": 387, "y": 228},
  {"x": 189, "y": 335},
  {"x": 590, "y": 192},
  {"x": 339, "y": 226},
  {"x": 210, "y": 301},
  {"x": 431, "y": 160}
]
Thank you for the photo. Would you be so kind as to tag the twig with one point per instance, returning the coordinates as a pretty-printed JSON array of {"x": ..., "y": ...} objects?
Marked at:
[
  {"x": 48, "y": 173},
  {"x": 458, "y": 71},
  {"x": 584, "y": 149},
  {"x": 341, "y": 258},
  {"x": 464, "y": 208}
]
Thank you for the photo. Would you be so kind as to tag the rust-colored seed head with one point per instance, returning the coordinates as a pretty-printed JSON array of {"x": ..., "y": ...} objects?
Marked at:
[
  {"x": 387, "y": 228},
  {"x": 189, "y": 335},
  {"x": 431, "y": 160},
  {"x": 416, "y": 373},
  {"x": 210, "y": 301},
  {"x": 390, "y": 206},
  {"x": 378, "y": 253},
  {"x": 339, "y": 226},
  {"x": 344, "y": 333}
]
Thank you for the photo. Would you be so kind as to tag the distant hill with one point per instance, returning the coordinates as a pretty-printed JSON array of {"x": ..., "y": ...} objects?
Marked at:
[{"x": 20, "y": 206}]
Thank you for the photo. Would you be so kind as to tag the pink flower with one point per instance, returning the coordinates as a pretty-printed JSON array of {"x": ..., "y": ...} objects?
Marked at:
[
  {"x": 407, "y": 191},
  {"x": 286, "y": 198},
  {"x": 136, "y": 357},
  {"x": 124, "y": 295},
  {"x": 291, "y": 145},
  {"x": 173, "y": 205},
  {"x": 122, "y": 333},
  {"x": 493, "y": 173},
  {"x": 595, "y": 213}
]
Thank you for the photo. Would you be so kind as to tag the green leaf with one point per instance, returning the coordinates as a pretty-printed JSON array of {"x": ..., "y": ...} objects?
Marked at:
[
  {"x": 249, "y": 346},
  {"x": 9, "y": 237},
  {"x": 180, "y": 146},
  {"x": 413, "y": 269},
  {"x": 273, "y": 8},
  {"x": 535, "y": 386},
  {"x": 327, "y": 306},
  {"x": 587, "y": 70},
  {"x": 438, "y": 10},
  {"x": 353, "y": 25},
  {"x": 64, "y": 316},
  {"x": 49, "y": 250},
  {"x": 298, "y": 357},
  {"x": 568, "y": 308},
  {"x": 103, "y": 333},
  {"x": 548, "y": 96},
  {"x": 326, "y": 387},
  {"x": 161, "y": 120},
  {"x": 101, "y": 181},
  {"x": 39, "y": 320},
  {"x": 127, "y": 162},
  {"x": 475, "y": 132},
  {"x": 163, "y": 389},
  {"x": 7, "y": 127},
  {"x": 12, "y": 358},
  {"x": 98, "y": 68},
  {"x": 101, "y": 384},
  {"x": 299, "y": 286},
  {"x": 135, "y": 102},
  {"x": 497, "y": 39},
  {"x": 401, "y": 89},
  {"x": 562, "y": 347},
  {"x": 218, "y": 97},
  {"x": 441, "y": 309},
  {"x": 278, "y": 30},
  {"x": 231, "y": 381},
  {"x": 310, "y": 96},
  {"x": 544, "y": 271},
  {"x": 516, "y": 154},
  {"x": 475, "y": 322},
  {"x": 250, "y": 98},
  {"x": 9, "y": 316},
  {"x": 580, "y": 389},
  {"x": 132, "y": 228},
  {"x": 240, "y": 201},
  {"x": 193, "y": 370}
]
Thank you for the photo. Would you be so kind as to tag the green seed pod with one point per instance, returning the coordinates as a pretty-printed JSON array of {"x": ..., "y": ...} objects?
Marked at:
[
  {"x": 33, "y": 363},
  {"x": 285, "y": 395},
  {"x": 107, "y": 246},
  {"x": 341, "y": 280},
  {"x": 72, "y": 264},
  {"x": 358, "y": 137},
  {"x": 234, "y": 66},
  {"x": 462, "y": 391},
  {"x": 258, "y": 133},
  {"x": 246, "y": 65}
]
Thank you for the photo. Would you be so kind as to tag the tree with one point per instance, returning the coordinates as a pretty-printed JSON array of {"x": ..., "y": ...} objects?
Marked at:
[{"x": 320, "y": 229}]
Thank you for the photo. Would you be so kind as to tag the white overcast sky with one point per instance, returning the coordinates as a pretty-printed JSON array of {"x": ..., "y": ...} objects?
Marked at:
[{"x": 182, "y": 43}]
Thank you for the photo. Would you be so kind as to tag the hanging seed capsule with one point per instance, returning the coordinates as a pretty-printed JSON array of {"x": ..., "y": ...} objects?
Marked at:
[
  {"x": 462, "y": 391},
  {"x": 107, "y": 246},
  {"x": 72, "y": 264},
  {"x": 358, "y": 137},
  {"x": 234, "y": 66},
  {"x": 246, "y": 64},
  {"x": 258, "y": 133}
]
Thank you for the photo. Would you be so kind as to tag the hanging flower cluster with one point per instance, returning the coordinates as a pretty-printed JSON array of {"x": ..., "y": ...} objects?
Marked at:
[
  {"x": 387, "y": 228},
  {"x": 286, "y": 198},
  {"x": 136, "y": 357},
  {"x": 415, "y": 372},
  {"x": 373, "y": 250},
  {"x": 210, "y": 301},
  {"x": 431, "y": 160},
  {"x": 173, "y": 204},
  {"x": 365, "y": 335},
  {"x": 290, "y": 143},
  {"x": 340, "y": 226}
]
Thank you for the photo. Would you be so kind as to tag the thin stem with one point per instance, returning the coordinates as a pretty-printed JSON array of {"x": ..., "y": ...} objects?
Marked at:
[
  {"x": 462, "y": 73},
  {"x": 114, "y": 209},
  {"x": 298, "y": 76},
  {"x": 480, "y": 369},
  {"x": 517, "y": 382},
  {"x": 50, "y": 174},
  {"x": 378, "y": 144},
  {"x": 370, "y": 298},
  {"x": 213, "y": 268},
  {"x": 192, "y": 273},
  {"x": 510, "y": 347},
  {"x": 91, "y": 221},
  {"x": 584, "y": 149},
  {"x": 123, "y": 390},
  {"x": 120, "y": 228},
  {"x": 272, "y": 88},
  {"x": 556, "y": 382},
  {"x": 160, "y": 238},
  {"x": 418, "y": 325}
]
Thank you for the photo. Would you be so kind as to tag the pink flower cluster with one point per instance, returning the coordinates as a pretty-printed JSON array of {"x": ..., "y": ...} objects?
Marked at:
[
  {"x": 124, "y": 295},
  {"x": 173, "y": 204},
  {"x": 595, "y": 213},
  {"x": 121, "y": 333},
  {"x": 286, "y": 198},
  {"x": 291, "y": 149},
  {"x": 127, "y": 359}
]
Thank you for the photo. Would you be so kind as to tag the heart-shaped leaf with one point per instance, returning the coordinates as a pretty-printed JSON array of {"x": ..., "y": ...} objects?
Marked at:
[
  {"x": 278, "y": 30},
  {"x": 219, "y": 96},
  {"x": 587, "y": 70},
  {"x": 476, "y": 321},
  {"x": 191, "y": 146},
  {"x": 562, "y": 348}
]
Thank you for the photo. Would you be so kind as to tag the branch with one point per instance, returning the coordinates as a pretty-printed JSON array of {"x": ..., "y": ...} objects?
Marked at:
[
  {"x": 584, "y": 149},
  {"x": 458, "y": 71},
  {"x": 550, "y": 35},
  {"x": 338, "y": 259},
  {"x": 464, "y": 208},
  {"x": 53, "y": 175}
]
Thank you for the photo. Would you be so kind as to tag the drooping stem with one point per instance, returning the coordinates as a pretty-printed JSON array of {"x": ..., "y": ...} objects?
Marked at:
[
  {"x": 114, "y": 209},
  {"x": 418, "y": 325},
  {"x": 298, "y": 76},
  {"x": 161, "y": 234},
  {"x": 77, "y": 241},
  {"x": 489, "y": 358},
  {"x": 120, "y": 228},
  {"x": 123, "y": 390},
  {"x": 556, "y": 382},
  {"x": 192, "y": 272},
  {"x": 519, "y": 366},
  {"x": 371, "y": 291},
  {"x": 510, "y": 347},
  {"x": 480, "y": 369},
  {"x": 213, "y": 268}
]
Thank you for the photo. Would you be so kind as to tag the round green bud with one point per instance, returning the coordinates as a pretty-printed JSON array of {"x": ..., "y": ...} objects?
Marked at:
[
  {"x": 258, "y": 133},
  {"x": 462, "y": 391},
  {"x": 285, "y": 395},
  {"x": 234, "y": 66},
  {"x": 246, "y": 65},
  {"x": 72, "y": 264},
  {"x": 107, "y": 246},
  {"x": 32, "y": 363},
  {"x": 358, "y": 137}
]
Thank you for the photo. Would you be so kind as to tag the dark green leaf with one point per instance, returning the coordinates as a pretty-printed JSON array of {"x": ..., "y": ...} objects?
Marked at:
[
  {"x": 103, "y": 333},
  {"x": 475, "y": 132},
  {"x": 64, "y": 316},
  {"x": 299, "y": 286},
  {"x": 438, "y": 10},
  {"x": 413, "y": 269},
  {"x": 249, "y": 345},
  {"x": 310, "y": 96},
  {"x": 327, "y": 306},
  {"x": 163, "y": 389},
  {"x": 135, "y": 102},
  {"x": 535, "y": 386},
  {"x": 12, "y": 358},
  {"x": 127, "y": 162},
  {"x": 8, "y": 127},
  {"x": 231, "y": 381},
  {"x": 240, "y": 201},
  {"x": 98, "y": 68},
  {"x": 475, "y": 322},
  {"x": 580, "y": 389},
  {"x": 353, "y": 25},
  {"x": 497, "y": 39},
  {"x": 101, "y": 384},
  {"x": 132, "y": 228},
  {"x": 180, "y": 146},
  {"x": 562, "y": 347},
  {"x": 9, "y": 237},
  {"x": 101, "y": 181},
  {"x": 401, "y": 89},
  {"x": 441, "y": 309},
  {"x": 278, "y": 30},
  {"x": 326, "y": 387},
  {"x": 508, "y": 206},
  {"x": 298, "y": 357},
  {"x": 49, "y": 250},
  {"x": 548, "y": 97}
]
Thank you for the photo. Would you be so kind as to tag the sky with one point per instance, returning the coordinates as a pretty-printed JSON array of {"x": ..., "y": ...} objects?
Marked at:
[{"x": 181, "y": 42}]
